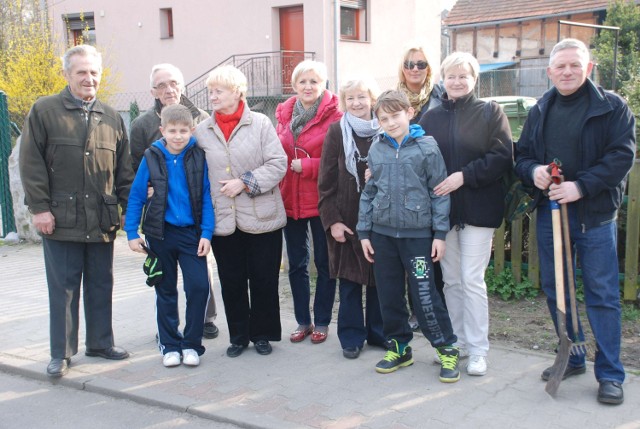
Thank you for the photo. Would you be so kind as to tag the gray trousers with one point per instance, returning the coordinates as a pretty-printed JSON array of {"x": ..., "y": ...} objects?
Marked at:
[{"x": 68, "y": 264}]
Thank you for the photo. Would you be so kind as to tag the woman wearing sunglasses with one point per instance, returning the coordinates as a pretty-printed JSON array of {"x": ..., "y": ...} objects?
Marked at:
[
  {"x": 416, "y": 81},
  {"x": 303, "y": 121}
]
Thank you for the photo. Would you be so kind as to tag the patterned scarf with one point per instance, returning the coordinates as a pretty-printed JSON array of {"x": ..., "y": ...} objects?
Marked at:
[
  {"x": 417, "y": 100},
  {"x": 301, "y": 117},
  {"x": 350, "y": 124}
]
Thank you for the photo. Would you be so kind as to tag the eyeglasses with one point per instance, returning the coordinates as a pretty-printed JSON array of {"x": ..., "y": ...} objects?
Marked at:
[
  {"x": 409, "y": 65},
  {"x": 165, "y": 85}
]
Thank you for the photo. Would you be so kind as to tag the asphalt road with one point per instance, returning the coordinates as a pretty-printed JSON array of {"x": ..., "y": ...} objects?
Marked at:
[{"x": 30, "y": 404}]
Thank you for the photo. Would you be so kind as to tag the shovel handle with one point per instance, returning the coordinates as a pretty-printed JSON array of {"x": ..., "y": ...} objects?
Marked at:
[{"x": 558, "y": 264}]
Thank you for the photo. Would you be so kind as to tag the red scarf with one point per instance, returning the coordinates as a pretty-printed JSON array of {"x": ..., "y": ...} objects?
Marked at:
[{"x": 227, "y": 123}]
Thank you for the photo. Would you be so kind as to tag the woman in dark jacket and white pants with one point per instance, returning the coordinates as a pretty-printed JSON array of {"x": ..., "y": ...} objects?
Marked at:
[{"x": 475, "y": 141}]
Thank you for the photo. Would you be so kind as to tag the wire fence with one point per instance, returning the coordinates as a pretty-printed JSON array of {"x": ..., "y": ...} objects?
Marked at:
[{"x": 6, "y": 201}]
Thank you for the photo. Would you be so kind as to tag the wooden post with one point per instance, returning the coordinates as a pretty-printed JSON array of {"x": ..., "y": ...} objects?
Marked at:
[
  {"x": 633, "y": 236},
  {"x": 516, "y": 249},
  {"x": 498, "y": 249},
  {"x": 534, "y": 262}
]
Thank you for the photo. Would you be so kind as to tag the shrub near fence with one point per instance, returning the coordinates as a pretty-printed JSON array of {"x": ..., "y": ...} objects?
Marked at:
[{"x": 515, "y": 245}]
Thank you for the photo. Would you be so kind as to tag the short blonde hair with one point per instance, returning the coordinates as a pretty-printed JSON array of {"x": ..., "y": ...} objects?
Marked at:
[
  {"x": 364, "y": 83},
  {"x": 460, "y": 59},
  {"x": 320, "y": 69},
  {"x": 229, "y": 77},
  {"x": 392, "y": 101},
  {"x": 176, "y": 114},
  {"x": 410, "y": 49}
]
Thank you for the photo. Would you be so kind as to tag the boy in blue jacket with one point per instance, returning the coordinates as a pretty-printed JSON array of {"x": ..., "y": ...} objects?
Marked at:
[
  {"x": 406, "y": 223},
  {"x": 178, "y": 224}
]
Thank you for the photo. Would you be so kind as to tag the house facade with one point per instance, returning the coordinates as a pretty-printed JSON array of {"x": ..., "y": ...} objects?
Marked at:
[
  {"x": 265, "y": 38},
  {"x": 519, "y": 35}
]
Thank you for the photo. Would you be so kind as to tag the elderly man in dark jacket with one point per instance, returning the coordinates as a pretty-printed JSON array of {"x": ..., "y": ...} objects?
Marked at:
[
  {"x": 76, "y": 170},
  {"x": 167, "y": 86},
  {"x": 592, "y": 132}
]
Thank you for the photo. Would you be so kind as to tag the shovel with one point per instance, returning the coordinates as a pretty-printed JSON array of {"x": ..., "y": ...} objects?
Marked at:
[
  {"x": 562, "y": 356},
  {"x": 578, "y": 347}
]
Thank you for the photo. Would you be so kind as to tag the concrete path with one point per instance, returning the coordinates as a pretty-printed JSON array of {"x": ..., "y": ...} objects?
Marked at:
[{"x": 298, "y": 385}]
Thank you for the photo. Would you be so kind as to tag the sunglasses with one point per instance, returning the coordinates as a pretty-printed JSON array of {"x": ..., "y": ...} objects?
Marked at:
[{"x": 420, "y": 64}]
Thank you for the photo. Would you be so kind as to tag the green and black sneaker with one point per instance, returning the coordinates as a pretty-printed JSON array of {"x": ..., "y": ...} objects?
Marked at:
[
  {"x": 394, "y": 358},
  {"x": 449, "y": 356}
]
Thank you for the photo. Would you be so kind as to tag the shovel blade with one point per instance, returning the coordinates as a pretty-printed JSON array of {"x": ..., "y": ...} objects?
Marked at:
[{"x": 562, "y": 357}]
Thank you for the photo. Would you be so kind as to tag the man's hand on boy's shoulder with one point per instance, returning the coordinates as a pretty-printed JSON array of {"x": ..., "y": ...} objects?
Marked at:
[
  {"x": 437, "y": 250},
  {"x": 204, "y": 247}
]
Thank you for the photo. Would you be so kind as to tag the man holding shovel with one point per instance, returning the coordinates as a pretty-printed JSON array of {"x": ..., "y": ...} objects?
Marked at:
[{"x": 593, "y": 133}]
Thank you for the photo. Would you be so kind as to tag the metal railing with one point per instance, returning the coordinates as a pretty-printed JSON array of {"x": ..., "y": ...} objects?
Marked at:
[{"x": 268, "y": 75}]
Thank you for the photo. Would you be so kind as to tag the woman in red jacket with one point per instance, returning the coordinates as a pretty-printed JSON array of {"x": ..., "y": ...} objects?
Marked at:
[{"x": 303, "y": 121}]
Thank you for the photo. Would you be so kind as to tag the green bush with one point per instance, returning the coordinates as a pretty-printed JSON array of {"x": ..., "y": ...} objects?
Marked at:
[{"x": 505, "y": 286}]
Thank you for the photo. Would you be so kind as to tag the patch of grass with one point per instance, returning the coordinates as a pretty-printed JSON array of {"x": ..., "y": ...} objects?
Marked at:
[{"x": 630, "y": 313}]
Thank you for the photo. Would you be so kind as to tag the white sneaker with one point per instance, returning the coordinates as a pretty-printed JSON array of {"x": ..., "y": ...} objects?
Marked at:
[
  {"x": 464, "y": 353},
  {"x": 477, "y": 365},
  {"x": 190, "y": 357},
  {"x": 171, "y": 359}
]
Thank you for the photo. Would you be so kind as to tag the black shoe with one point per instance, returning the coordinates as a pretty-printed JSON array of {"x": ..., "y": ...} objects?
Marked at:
[
  {"x": 210, "y": 330},
  {"x": 58, "y": 367},
  {"x": 449, "y": 358},
  {"x": 569, "y": 372},
  {"x": 351, "y": 352},
  {"x": 112, "y": 353},
  {"x": 393, "y": 359},
  {"x": 235, "y": 350},
  {"x": 263, "y": 347},
  {"x": 610, "y": 392}
]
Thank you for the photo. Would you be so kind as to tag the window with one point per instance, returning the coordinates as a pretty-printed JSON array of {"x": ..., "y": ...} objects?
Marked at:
[
  {"x": 353, "y": 20},
  {"x": 81, "y": 28},
  {"x": 166, "y": 23}
]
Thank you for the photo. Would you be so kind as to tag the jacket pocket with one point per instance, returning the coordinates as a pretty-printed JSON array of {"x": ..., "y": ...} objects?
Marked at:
[
  {"x": 416, "y": 213},
  {"x": 109, "y": 216},
  {"x": 265, "y": 206},
  {"x": 381, "y": 211},
  {"x": 64, "y": 209}
]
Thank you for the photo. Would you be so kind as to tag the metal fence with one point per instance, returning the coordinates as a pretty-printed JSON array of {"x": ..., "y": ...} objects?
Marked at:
[{"x": 6, "y": 202}]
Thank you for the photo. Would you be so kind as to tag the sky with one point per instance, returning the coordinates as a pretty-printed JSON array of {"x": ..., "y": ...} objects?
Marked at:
[{"x": 448, "y": 4}]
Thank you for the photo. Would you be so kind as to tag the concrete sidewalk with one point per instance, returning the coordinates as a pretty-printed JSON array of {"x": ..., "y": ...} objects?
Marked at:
[{"x": 298, "y": 385}]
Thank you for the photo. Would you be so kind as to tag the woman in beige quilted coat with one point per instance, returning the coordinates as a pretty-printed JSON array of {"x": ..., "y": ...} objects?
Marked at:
[{"x": 246, "y": 162}]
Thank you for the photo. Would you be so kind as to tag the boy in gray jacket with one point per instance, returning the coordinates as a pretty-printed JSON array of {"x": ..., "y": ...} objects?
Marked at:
[{"x": 401, "y": 218}]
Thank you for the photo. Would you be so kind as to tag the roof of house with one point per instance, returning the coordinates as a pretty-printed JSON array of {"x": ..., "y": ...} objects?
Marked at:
[{"x": 466, "y": 12}]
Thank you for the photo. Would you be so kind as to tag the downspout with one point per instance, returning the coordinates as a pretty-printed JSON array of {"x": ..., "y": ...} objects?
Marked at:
[{"x": 336, "y": 39}]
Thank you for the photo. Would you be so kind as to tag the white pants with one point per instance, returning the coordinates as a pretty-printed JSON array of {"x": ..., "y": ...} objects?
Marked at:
[{"x": 465, "y": 260}]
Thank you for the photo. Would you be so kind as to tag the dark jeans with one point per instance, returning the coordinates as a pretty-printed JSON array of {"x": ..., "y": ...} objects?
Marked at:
[
  {"x": 180, "y": 246},
  {"x": 249, "y": 270},
  {"x": 353, "y": 328},
  {"x": 397, "y": 258},
  {"x": 68, "y": 264},
  {"x": 296, "y": 234},
  {"x": 596, "y": 249}
]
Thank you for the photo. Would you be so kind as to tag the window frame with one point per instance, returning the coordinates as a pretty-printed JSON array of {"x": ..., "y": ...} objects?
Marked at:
[{"x": 360, "y": 12}]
